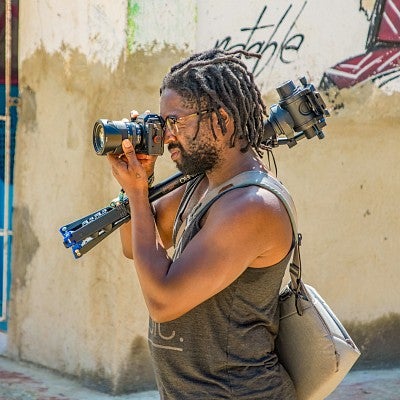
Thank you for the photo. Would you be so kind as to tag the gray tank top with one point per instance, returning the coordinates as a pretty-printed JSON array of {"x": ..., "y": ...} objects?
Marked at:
[{"x": 224, "y": 347}]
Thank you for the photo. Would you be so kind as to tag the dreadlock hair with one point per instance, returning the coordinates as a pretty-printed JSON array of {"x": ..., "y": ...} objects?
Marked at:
[{"x": 217, "y": 79}]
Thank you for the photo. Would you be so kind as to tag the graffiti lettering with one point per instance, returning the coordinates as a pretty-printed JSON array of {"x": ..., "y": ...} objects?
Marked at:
[{"x": 279, "y": 44}]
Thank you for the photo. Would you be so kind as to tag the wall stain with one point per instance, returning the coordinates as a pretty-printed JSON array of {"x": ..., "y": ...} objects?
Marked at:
[
  {"x": 80, "y": 180},
  {"x": 87, "y": 90},
  {"x": 378, "y": 341},
  {"x": 367, "y": 212},
  {"x": 137, "y": 373},
  {"x": 135, "y": 376},
  {"x": 25, "y": 245},
  {"x": 97, "y": 380},
  {"x": 27, "y": 111}
]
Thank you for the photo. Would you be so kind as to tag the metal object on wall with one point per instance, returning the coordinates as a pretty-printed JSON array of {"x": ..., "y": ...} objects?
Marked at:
[{"x": 6, "y": 232}]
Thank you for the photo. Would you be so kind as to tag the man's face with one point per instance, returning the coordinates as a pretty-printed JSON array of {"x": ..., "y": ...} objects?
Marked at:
[{"x": 193, "y": 152}]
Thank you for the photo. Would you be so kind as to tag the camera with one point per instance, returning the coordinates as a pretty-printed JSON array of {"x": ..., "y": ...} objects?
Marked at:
[
  {"x": 145, "y": 132},
  {"x": 300, "y": 113}
]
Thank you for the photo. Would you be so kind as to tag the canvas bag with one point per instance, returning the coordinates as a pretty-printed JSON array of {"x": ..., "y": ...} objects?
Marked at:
[{"x": 312, "y": 344}]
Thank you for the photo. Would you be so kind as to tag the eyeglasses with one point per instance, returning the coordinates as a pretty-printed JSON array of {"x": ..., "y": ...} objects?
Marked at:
[{"x": 171, "y": 122}]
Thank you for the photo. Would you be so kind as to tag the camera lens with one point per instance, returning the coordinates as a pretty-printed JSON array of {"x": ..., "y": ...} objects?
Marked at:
[
  {"x": 105, "y": 137},
  {"x": 99, "y": 138},
  {"x": 108, "y": 135}
]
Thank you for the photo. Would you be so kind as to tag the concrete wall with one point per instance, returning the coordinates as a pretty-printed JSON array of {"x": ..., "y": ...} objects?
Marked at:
[{"x": 80, "y": 61}]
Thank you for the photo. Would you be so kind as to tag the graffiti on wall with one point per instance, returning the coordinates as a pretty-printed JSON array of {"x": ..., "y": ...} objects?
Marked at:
[
  {"x": 381, "y": 61},
  {"x": 281, "y": 43},
  {"x": 278, "y": 39}
]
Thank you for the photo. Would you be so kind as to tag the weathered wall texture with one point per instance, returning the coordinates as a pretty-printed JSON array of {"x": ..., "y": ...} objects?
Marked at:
[{"x": 86, "y": 317}]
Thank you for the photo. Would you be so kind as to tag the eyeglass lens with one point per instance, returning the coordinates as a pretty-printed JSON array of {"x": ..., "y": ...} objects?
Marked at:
[{"x": 171, "y": 122}]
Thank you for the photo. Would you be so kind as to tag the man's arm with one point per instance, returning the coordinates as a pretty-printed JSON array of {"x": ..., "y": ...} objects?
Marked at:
[
  {"x": 245, "y": 227},
  {"x": 165, "y": 210}
]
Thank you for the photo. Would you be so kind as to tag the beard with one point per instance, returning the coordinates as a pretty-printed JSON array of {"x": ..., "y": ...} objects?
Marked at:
[{"x": 198, "y": 159}]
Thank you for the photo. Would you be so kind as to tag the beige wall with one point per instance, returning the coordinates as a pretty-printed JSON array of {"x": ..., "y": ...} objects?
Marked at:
[
  {"x": 86, "y": 317},
  {"x": 345, "y": 188}
]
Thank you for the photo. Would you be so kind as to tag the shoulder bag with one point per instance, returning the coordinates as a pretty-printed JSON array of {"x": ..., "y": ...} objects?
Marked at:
[{"x": 312, "y": 344}]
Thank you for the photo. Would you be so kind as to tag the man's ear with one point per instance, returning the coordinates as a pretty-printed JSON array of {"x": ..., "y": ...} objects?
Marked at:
[
  {"x": 225, "y": 116},
  {"x": 228, "y": 120}
]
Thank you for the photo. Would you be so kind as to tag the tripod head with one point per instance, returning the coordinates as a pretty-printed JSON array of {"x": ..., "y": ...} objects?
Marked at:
[{"x": 300, "y": 113}]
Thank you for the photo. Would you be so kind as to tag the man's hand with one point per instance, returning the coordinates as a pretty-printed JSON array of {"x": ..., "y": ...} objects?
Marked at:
[
  {"x": 131, "y": 170},
  {"x": 125, "y": 166}
]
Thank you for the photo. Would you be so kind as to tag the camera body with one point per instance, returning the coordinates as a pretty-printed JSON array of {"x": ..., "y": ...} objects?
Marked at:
[
  {"x": 300, "y": 113},
  {"x": 145, "y": 132}
]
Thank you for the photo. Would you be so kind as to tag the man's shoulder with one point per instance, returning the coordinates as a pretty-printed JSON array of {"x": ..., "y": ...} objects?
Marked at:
[
  {"x": 254, "y": 187},
  {"x": 249, "y": 201}
]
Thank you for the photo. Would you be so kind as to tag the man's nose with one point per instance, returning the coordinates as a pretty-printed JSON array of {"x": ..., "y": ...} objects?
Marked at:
[{"x": 169, "y": 137}]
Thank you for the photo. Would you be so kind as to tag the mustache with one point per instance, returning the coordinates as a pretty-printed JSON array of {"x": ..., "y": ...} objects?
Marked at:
[{"x": 174, "y": 146}]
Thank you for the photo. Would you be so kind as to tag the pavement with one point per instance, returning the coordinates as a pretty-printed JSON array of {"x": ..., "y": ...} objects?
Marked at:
[
  {"x": 24, "y": 381},
  {"x": 383, "y": 384}
]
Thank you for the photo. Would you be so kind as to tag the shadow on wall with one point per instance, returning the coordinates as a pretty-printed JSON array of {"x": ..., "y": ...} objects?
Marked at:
[{"x": 378, "y": 341}]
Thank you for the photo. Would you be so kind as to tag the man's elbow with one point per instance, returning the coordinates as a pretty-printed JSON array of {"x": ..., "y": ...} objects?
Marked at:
[
  {"x": 127, "y": 253},
  {"x": 162, "y": 312}
]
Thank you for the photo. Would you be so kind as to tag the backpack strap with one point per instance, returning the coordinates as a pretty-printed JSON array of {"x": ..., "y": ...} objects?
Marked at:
[
  {"x": 253, "y": 178},
  {"x": 249, "y": 178},
  {"x": 179, "y": 223}
]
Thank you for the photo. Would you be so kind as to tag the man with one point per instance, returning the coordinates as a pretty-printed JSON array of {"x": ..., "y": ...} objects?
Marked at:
[{"x": 214, "y": 305}]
